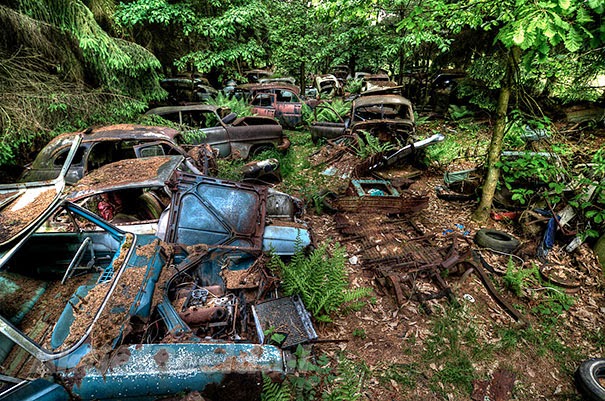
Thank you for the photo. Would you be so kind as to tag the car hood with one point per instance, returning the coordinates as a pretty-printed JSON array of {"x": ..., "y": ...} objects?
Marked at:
[
  {"x": 148, "y": 172},
  {"x": 24, "y": 205}
]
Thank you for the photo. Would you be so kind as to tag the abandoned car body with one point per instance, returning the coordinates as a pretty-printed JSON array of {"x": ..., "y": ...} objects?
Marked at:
[
  {"x": 238, "y": 214},
  {"x": 390, "y": 118},
  {"x": 224, "y": 131},
  {"x": 107, "y": 314},
  {"x": 101, "y": 146},
  {"x": 327, "y": 85},
  {"x": 280, "y": 101},
  {"x": 187, "y": 89}
]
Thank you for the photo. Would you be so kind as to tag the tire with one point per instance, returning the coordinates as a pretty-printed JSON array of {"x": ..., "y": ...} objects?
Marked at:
[
  {"x": 587, "y": 379},
  {"x": 496, "y": 240}
]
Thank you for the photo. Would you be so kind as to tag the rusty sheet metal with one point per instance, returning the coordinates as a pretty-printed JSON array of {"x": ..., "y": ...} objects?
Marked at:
[
  {"x": 148, "y": 172},
  {"x": 155, "y": 370},
  {"x": 407, "y": 202},
  {"x": 210, "y": 211}
]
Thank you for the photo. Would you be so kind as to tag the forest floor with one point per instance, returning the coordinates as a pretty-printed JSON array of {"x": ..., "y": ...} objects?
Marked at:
[{"x": 468, "y": 347}]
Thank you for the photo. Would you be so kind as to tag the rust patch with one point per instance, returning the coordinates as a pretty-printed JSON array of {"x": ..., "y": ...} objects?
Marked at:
[
  {"x": 257, "y": 351},
  {"x": 120, "y": 357},
  {"x": 161, "y": 357}
]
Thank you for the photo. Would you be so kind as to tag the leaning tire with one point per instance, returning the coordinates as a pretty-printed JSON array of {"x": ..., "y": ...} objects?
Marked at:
[
  {"x": 496, "y": 240},
  {"x": 587, "y": 379}
]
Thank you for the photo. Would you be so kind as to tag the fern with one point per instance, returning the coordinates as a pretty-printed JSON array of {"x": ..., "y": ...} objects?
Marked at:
[
  {"x": 320, "y": 279},
  {"x": 238, "y": 106},
  {"x": 333, "y": 111},
  {"x": 348, "y": 381},
  {"x": 369, "y": 145},
  {"x": 274, "y": 391}
]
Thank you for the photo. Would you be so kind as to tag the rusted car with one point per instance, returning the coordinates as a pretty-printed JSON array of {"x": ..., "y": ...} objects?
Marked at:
[
  {"x": 140, "y": 197},
  {"x": 100, "y": 146},
  {"x": 278, "y": 80},
  {"x": 254, "y": 76},
  {"x": 183, "y": 89},
  {"x": 277, "y": 100},
  {"x": 91, "y": 312},
  {"x": 328, "y": 86},
  {"x": 390, "y": 118},
  {"x": 224, "y": 131}
]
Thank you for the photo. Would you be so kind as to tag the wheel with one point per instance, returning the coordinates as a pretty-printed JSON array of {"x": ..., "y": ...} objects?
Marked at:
[
  {"x": 496, "y": 240},
  {"x": 590, "y": 379}
]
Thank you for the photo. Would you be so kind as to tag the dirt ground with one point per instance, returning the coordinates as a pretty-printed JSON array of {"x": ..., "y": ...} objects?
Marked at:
[{"x": 402, "y": 346}]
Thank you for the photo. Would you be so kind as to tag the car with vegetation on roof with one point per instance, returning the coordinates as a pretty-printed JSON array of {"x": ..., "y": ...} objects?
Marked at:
[
  {"x": 224, "y": 131},
  {"x": 103, "y": 145},
  {"x": 388, "y": 117},
  {"x": 91, "y": 312}
]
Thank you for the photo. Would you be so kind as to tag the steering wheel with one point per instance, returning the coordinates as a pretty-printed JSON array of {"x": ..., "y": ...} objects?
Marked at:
[{"x": 76, "y": 259}]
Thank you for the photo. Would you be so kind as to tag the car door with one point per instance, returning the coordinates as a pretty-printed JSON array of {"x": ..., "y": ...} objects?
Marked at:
[
  {"x": 288, "y": 108},
  {"x": 264, "y": 104},
  {"x": 211, "y": 131}
]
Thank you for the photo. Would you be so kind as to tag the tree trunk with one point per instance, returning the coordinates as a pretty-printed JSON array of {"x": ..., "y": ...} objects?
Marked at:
[
  {"x": 302, "y": 82},
  {"x": 495, "y": 147}
]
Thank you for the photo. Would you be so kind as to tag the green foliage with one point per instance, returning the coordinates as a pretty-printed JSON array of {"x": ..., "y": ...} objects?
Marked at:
[
  {"x": 453, "y": 342},
  {"x": 529, "y": 168},
  {"x": 522, "y": 282},
  {"x": 347, "y": 381},
  {"x": 404, "y": 374},
  {"x": 332, "y": 111},
  {"x": 320, "y": 279},
  {"x": 318, "y": 380},
  {"x": 369, "y": 145},
  {"x": 516, "y": 279},
  {"x": 360, "y": 333},
  {"x": 273, "y": 391},
  {"x": 218, "y": 35},
  {"x": 459, "y": 112},
  {"x": 353, "y": 86},
  {"x": 237, "y": 106}
]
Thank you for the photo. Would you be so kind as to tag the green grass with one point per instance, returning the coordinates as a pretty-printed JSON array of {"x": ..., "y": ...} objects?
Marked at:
[{"x": 405, "y": 374}]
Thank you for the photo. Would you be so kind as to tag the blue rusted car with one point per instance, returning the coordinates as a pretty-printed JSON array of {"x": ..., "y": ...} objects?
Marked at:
[{"x": 89, "y": 311}]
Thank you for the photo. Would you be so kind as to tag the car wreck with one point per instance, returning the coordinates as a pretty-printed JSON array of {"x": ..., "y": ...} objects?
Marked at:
[
  {"x": 146, "y": 196},
  {"x": 276, "y": 100},
  {"x": 390, "y": 118},
  {"x": 104, "y": 306},
  {"x": 224, "y": 131},
  {"x": 182, "y": 89},
  {"x": 328, "y": 86},
  {"x": 103, "y": 145}
]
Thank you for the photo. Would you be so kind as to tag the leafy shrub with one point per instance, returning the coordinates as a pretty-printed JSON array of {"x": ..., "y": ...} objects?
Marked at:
[
  {"x": 331, "y": 112},
  {"x": 320, "y": 279},
  {"x": 369, "y": 145},
  {"x": 238, "y": 106}
]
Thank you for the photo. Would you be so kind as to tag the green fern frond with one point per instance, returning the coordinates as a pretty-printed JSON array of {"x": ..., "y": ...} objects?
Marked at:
[
  {"x": 274, "y": 391},
  {"x": 320, "y": 279}
]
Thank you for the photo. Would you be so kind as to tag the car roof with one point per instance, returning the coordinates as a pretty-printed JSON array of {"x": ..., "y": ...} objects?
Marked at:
[
  {"x": 24, "y": 205},
  {"x": 172, "y": 109},
  {"x": 269, "y": 86},
  {"x": 147, "y": 172},
  {"x": 120, "y": 131},
  {"x": 381, "y": 99}
]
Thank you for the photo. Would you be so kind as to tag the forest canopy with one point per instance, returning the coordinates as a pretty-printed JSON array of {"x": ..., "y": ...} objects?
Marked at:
[{"x": 69, "y": 64}]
